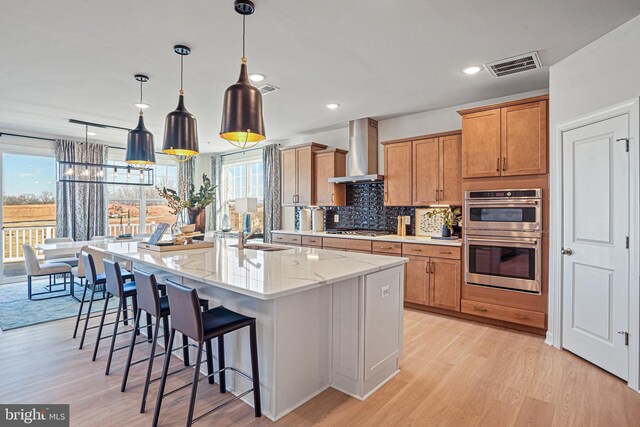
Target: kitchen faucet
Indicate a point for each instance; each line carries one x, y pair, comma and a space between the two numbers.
242, 240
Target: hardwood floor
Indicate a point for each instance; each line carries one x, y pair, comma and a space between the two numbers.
453, 373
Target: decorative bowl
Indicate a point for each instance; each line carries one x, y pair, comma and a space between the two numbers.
186, 229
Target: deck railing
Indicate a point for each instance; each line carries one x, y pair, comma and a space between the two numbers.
15, 237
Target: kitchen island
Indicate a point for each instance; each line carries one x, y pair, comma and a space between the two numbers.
325, 318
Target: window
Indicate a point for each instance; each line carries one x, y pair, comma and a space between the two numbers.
243, 178
137, 209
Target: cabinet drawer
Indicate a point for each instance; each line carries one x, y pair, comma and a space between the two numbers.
387, 247
500, 312
348, 244
436, 251
312, 241
286, 239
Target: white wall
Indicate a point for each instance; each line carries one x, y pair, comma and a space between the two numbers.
601, 74
429, 122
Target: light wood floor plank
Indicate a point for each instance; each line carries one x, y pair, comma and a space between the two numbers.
453, 373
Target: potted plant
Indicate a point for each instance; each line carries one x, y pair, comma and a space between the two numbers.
450, 219
194, 202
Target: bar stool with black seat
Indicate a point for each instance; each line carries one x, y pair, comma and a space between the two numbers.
97, 284
156, 306
201, 327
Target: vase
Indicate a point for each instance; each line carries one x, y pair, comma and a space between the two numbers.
446, 232
198, 217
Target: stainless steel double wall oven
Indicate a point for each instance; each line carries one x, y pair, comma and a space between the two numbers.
503, 239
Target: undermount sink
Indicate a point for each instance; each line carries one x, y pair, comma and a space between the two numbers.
259, 247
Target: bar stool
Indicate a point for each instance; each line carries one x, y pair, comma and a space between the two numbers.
202, 327
150, 301
93, 280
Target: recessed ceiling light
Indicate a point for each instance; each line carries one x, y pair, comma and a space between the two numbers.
91, 133
141, 106
472, 69
257, 77
332, 106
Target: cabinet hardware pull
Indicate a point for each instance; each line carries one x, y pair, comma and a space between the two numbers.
433, 267
448, 253
504, 164
436, 194
441, 195
331, 197
417, 250
498, 164
426, 268
479, 308
518, 316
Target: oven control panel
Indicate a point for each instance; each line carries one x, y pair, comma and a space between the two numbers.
504, 194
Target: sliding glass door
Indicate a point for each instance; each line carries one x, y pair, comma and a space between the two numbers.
28, 208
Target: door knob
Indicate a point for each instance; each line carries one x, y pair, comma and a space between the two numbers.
566, 251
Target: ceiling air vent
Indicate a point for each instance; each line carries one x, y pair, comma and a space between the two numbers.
515, 64
267, 89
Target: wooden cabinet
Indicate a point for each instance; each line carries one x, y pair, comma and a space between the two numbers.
524, 139
315, 242
444, 283
433, 276
450, 169
298, 174
416, 286
505, 140
286, 239
330, 163
351, 245
507, 314
397, 174
425, 171
434, 167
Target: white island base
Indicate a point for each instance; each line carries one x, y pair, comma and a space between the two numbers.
346, 335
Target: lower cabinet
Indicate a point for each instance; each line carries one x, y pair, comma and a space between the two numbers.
433, 281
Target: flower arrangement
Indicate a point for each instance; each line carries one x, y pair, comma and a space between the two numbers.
450, 217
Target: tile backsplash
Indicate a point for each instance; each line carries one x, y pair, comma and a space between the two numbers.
365, 209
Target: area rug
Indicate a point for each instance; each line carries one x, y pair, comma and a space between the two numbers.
17, 310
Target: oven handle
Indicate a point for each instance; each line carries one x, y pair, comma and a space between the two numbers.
518, 241
510, 204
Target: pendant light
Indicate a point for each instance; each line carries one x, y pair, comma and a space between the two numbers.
242, 121
140, 149
181, 128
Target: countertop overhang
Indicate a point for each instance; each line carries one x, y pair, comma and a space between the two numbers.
390, 238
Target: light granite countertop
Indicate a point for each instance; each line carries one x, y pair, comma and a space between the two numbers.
390, 238
260, 274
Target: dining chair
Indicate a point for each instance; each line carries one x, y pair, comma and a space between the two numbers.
70, 259
51, 269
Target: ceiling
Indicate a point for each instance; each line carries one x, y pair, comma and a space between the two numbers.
76, 59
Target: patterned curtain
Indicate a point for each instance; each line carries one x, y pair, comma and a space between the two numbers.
185, 176
81, 208
214, 210
271, 163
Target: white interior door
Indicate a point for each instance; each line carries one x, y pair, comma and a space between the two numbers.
596, 258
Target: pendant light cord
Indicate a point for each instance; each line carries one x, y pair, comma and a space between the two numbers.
244, 17
181, 73
86, 134
141, 112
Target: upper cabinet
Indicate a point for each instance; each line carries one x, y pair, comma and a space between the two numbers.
397, 174
330, 163
505, 140
423, 171
298, 174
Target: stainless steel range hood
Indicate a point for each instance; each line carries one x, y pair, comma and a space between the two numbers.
362, 159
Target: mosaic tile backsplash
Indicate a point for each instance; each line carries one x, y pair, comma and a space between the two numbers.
365, 209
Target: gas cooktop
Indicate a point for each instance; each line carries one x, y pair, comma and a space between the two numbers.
367, 233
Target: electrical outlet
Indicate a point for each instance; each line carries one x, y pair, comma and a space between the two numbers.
384, 291
408, 219
336, 218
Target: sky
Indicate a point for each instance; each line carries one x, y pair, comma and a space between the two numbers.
27, 174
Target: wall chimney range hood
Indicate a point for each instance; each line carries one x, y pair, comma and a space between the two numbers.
362, 159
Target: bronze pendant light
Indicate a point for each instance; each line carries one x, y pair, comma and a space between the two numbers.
180, 127
242, 121
140, 149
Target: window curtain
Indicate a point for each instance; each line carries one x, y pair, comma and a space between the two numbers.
271, 164
185, 176
81, 208
214, 210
